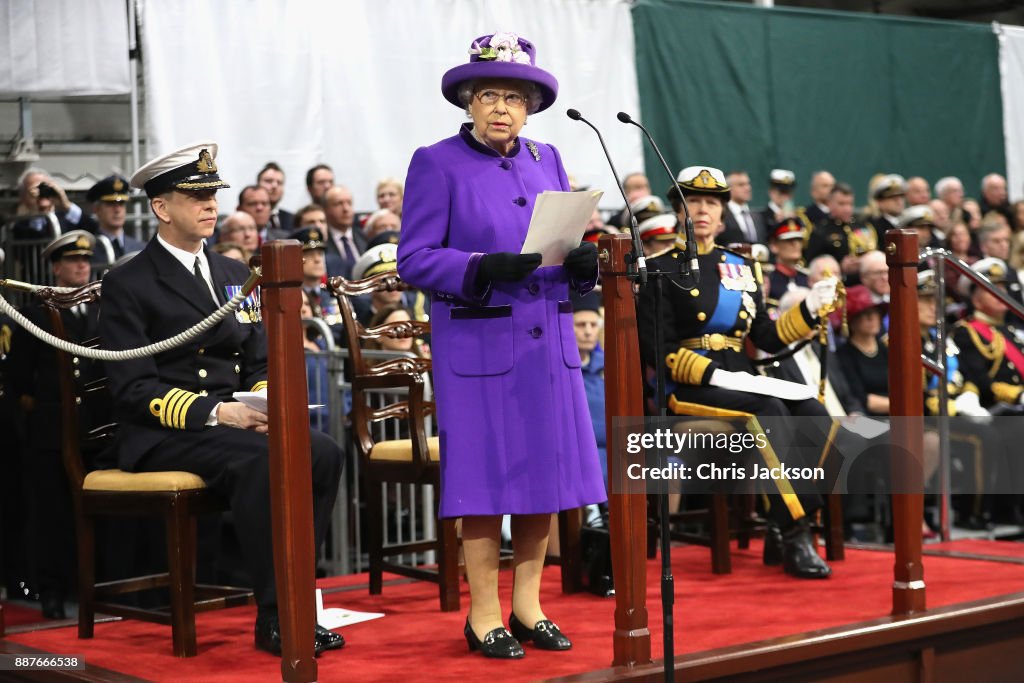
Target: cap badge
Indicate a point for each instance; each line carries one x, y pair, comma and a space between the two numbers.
82, 243
704, 181
996, 271
314, 235
205, 163
118, 185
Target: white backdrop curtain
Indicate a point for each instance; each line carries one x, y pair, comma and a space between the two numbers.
356, 85
63, 47
1011, 75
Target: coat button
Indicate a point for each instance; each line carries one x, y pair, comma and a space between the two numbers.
237, 369
505, 164
702, 316
202, 351
533, 288
202, 372
203, 393
521, 201
75, 360
77, 373
536, 332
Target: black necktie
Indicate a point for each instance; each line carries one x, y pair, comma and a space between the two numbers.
118, 248
199, 275
350, 250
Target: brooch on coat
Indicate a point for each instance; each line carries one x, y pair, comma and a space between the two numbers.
534, 152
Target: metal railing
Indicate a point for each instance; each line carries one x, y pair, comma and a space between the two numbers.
408, 509
937, 258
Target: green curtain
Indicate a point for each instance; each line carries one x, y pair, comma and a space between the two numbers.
743, 87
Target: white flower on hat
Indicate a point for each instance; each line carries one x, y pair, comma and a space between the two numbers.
521, 57
506, 47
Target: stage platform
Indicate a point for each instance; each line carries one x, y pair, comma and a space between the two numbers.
753, 625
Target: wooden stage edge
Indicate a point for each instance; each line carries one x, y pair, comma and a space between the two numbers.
973, 641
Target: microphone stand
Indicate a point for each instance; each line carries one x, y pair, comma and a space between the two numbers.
637, 255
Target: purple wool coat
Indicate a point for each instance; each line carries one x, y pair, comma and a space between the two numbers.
515, 431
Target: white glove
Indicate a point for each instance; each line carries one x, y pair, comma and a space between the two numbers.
823, 293
967, 404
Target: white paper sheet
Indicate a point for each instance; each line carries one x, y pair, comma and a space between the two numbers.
558, 222
336, 617
759, 384
257, 400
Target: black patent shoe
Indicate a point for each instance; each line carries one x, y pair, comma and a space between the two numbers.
328, 640
799, 556
498, 643
544, 634
772, 555
268, 635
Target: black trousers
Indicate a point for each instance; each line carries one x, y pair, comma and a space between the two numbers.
797, 443
53, 523
235, 463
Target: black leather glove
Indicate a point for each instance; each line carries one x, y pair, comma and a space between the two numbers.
581, 262
504, 266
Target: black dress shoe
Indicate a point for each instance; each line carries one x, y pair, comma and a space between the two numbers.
772, 555
268, 635
799, 556
498, 643
544, 634
52, 605
328, 640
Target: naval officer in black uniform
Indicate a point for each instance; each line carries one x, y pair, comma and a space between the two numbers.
704, 331
175, 409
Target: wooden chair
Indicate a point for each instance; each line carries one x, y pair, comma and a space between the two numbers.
178, 497
416, 459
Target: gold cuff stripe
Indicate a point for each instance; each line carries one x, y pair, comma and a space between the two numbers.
971, 387
792, 326
687, 367
1005, 392
173, 407
259, 386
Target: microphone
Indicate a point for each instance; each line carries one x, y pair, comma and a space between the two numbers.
638, 251
691, 240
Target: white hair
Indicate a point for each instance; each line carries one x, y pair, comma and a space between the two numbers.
947, 183
376, 216
871, 258
533, 99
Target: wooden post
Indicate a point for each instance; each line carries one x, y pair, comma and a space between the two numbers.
906, 397
627, 500
291, 474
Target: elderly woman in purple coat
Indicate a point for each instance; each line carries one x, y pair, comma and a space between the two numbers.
515, 431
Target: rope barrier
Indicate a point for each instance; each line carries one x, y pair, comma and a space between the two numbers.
127, 354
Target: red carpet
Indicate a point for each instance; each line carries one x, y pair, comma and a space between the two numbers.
416, 642
981, 547
19, 615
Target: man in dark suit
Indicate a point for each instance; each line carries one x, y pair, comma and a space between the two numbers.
741, 224
109, 198
271, 178
34, 381
176, 409
345, 240
822, 183
44, 209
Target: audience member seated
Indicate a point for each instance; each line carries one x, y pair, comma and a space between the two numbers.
317, 378
381, 258
865, 355
240, 228
787, 246
383, 220
314, 274
255, 201
345, 241
657, 228
635, 185
389, 195
311, 216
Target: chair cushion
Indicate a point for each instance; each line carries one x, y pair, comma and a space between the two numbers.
117, 480
400, 450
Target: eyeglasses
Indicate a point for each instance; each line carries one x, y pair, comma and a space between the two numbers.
513, 100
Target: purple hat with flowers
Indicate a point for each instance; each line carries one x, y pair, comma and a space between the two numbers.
501, 55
